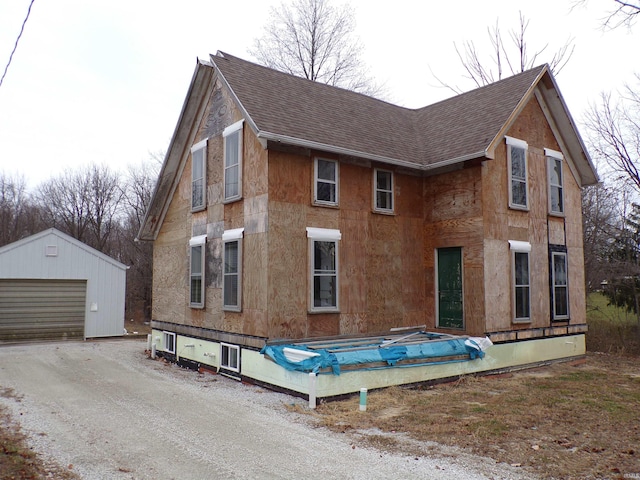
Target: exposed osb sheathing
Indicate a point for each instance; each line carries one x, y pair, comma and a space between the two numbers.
535, 226
386, 262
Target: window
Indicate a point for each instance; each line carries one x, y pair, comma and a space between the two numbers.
198, 176
169, 342
326, 182
521, 280
230, 357
556, 180
196, 271
383, 191
517, 159
323, 246
232, 270
233, 161
560, 287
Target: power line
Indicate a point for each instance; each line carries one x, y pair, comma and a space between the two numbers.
16, 44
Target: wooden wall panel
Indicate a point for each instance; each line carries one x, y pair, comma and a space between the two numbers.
497, 281
556, 232
535, 226
290, 178
254, 284
353, 261
255, 178
287, 280
454, 195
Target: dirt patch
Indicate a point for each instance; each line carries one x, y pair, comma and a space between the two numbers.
562, 421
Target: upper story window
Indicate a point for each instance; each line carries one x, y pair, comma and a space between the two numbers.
232, 270
199, 176
556, 181
383, 191
517, 161
521, 280
196, 271
325, 182
323, 256
233, 161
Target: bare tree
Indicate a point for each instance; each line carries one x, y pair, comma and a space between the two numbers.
625, 13
315, 40
603, 214
83, 203
138, 189
506, 58
18, 214
614, 125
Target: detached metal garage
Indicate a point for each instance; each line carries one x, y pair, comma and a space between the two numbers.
54, 287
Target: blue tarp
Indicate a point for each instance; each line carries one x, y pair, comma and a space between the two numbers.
430, 351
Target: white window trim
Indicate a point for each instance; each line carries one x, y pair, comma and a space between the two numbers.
231, 348
315, 182
198, 241
375, 191
231, 129
515, 142
553, 286
553, 155
165, 335
517, 246
229, 236
323, 235
200, 146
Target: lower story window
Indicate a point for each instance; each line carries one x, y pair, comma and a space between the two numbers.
521, 280
196, 271
230, 357
169, 342
560, 286
323, 245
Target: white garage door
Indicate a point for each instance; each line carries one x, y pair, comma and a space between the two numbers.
40, 310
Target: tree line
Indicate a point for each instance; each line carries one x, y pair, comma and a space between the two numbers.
96, 205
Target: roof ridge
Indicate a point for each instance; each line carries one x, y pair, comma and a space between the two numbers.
497, 83
223, 55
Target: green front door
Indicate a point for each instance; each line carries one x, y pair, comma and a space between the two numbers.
450, 287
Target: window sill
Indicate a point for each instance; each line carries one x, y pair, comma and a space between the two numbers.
389, 213
519, 208
196, 307
232, 309
231, 200
557, 214
521, 321
317, 311
327, 205
198, 209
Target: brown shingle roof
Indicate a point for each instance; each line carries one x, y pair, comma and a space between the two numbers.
293, 107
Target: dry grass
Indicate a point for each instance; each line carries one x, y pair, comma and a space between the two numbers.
561, 421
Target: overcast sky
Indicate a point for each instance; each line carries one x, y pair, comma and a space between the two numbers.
104, 80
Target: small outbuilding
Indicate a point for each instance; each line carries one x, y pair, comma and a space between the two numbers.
54, 287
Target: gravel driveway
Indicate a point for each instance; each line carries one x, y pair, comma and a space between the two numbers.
112, 413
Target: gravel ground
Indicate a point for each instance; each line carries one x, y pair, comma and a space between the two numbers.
109, 412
